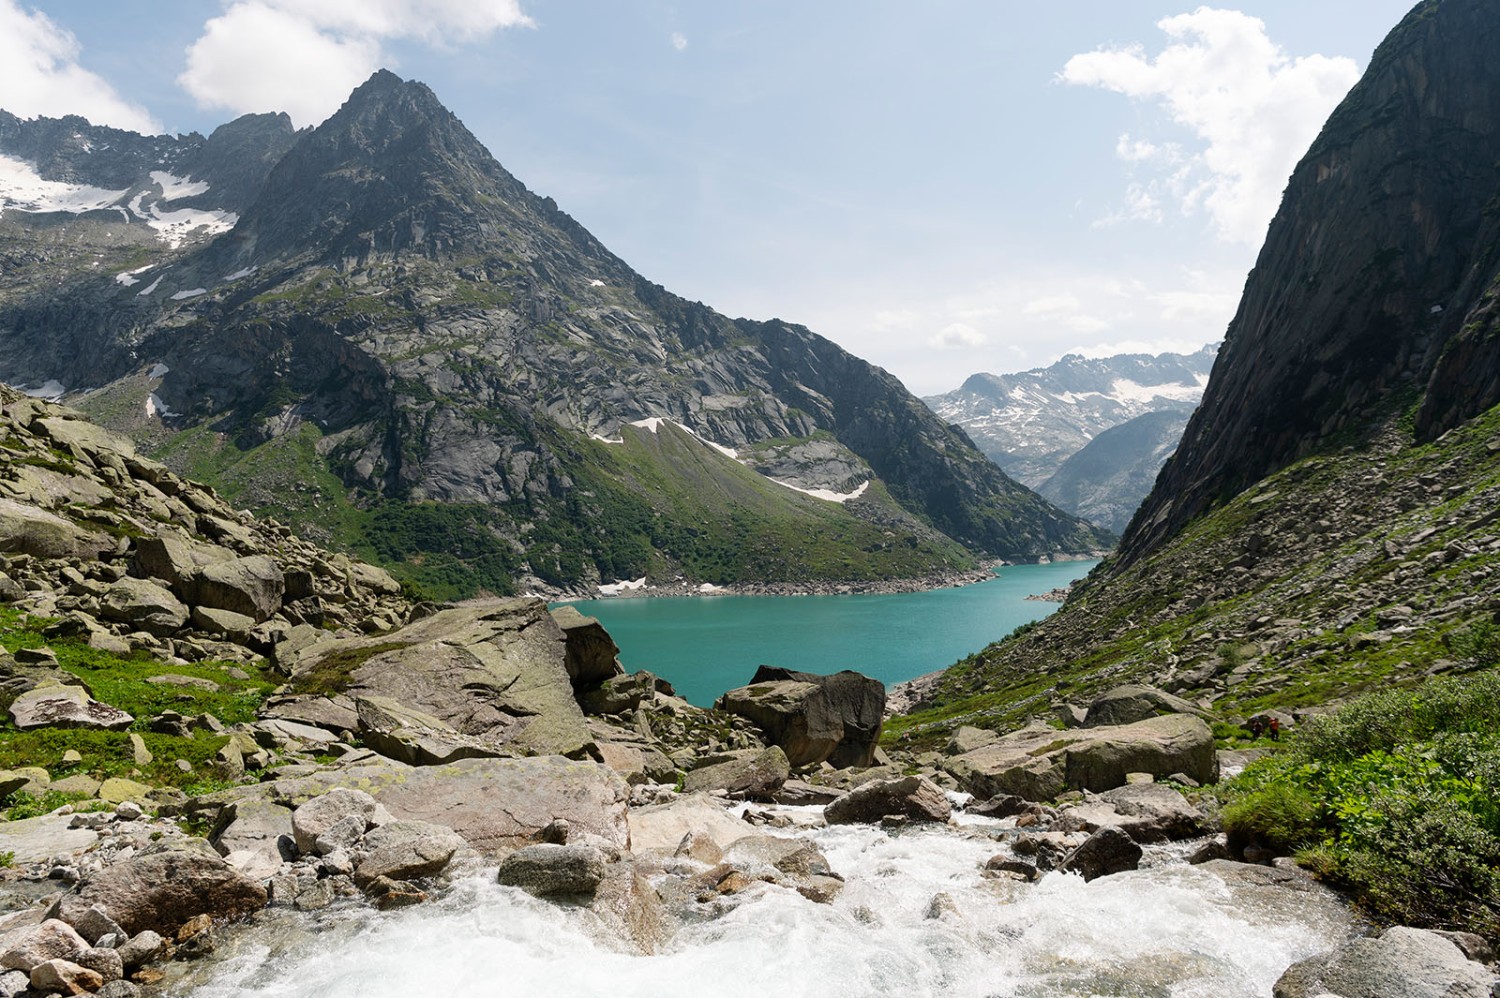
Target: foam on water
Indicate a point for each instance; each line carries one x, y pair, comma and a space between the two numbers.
1164, 932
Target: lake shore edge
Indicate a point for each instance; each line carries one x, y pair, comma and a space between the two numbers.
643, 589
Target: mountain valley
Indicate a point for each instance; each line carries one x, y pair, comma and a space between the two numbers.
402, 350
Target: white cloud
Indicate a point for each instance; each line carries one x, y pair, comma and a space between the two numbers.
305, 58
679, 41
40, 75
957, 336
1252, 109
896, 318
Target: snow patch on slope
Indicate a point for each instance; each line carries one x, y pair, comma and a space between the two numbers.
173, 188
23, 189
828, 494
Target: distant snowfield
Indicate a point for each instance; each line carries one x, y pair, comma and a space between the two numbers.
616, 588
23, 189
194, 293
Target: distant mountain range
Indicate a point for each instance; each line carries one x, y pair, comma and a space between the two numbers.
372, 330
1035, 423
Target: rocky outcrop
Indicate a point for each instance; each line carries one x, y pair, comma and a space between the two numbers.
1040, 762
591, 655
485, 679
814, 718
1400, 963
136, 557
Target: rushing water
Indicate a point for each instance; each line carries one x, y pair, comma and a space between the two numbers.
1168, 931
705, 645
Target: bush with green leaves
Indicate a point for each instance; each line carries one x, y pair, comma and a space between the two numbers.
1397, 796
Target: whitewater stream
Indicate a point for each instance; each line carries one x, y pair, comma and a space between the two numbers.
1168, 930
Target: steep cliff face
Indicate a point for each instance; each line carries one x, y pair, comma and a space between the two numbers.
1327, 526
395, 309
1375, 285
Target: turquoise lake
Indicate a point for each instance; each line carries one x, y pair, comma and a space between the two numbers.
704, 645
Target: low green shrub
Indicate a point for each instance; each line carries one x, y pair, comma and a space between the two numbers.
1396, 796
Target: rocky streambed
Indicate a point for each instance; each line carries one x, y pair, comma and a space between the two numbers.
917, 913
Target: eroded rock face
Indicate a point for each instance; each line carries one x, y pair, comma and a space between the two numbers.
591, 654
1376, 273
1040, 762
1401, 963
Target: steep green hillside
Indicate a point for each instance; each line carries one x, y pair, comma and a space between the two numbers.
1350, 570
658, 504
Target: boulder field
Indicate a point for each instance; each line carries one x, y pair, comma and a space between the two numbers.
394, 745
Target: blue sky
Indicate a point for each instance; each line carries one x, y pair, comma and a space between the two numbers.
943, 188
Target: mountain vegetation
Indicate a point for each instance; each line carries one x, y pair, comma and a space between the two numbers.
377, 333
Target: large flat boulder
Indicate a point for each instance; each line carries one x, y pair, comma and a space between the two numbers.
489, 675
813, 718
914, 798
749, 774
252, 586
1147, 812
28, 530
176, 559
65, 707
1039, 762
495, 804
661, 827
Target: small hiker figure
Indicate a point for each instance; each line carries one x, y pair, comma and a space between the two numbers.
1257, 726
1275, 729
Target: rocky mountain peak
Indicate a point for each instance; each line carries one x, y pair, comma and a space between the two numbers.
1376, 280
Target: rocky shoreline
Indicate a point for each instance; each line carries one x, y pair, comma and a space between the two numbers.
677, 589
